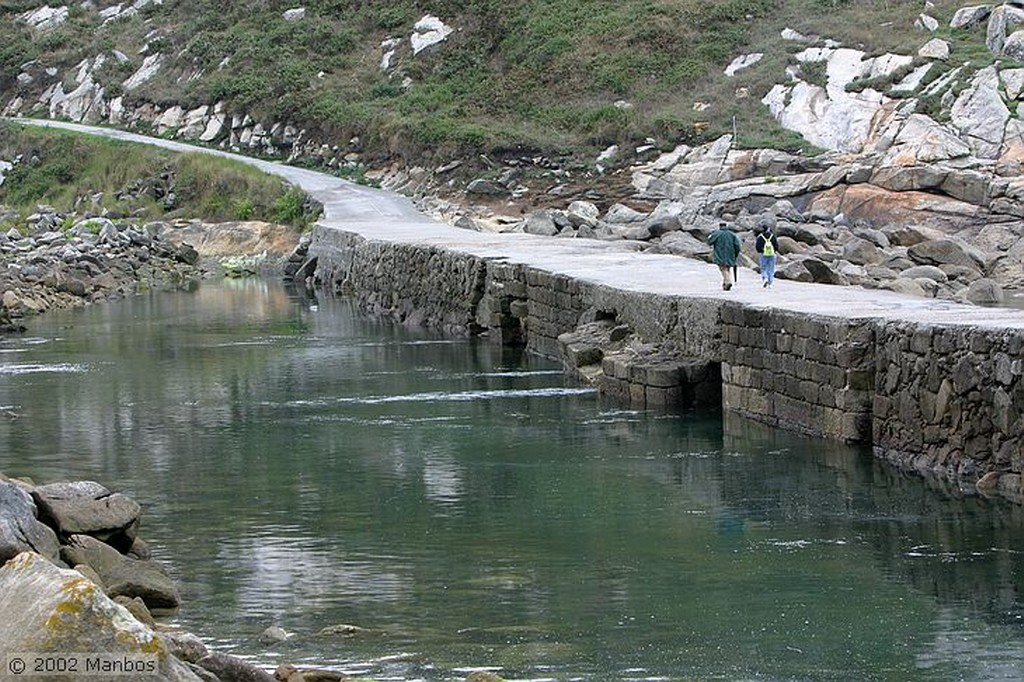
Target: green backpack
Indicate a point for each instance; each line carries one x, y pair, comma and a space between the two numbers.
768, 249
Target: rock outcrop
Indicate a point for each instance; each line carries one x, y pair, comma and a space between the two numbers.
51, 609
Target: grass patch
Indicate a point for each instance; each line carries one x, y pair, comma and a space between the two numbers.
63, 169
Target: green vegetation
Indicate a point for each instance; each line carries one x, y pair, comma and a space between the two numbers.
63, 170
516, 75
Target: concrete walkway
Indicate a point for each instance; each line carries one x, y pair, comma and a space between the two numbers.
379, 215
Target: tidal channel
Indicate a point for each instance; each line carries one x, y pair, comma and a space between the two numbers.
469, 507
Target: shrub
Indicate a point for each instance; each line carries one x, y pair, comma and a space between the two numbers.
289, 207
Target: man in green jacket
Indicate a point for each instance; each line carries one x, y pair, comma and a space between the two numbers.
726, 249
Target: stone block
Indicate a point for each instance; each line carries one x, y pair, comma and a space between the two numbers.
809, 392
921, 341
665, 397
860, 380
615, 389
580, 355
664, 375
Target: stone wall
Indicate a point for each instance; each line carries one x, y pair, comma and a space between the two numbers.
948, 399
800, 372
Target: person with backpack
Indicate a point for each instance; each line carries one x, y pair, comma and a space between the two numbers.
725, 249
767, 247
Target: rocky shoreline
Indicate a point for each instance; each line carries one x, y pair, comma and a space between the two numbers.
64, 260
76, 576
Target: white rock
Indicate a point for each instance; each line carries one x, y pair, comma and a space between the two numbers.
970, 16
795, 36
171, 119
926, 23
608, 154
150, 67
936, 48
912, 81
980, 114
294, 14
45, 18
428, 31
1013, 81
742, 62
389, 49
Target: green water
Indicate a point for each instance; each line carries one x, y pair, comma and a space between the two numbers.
304, 467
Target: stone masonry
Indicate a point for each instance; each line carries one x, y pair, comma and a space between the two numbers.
946, 400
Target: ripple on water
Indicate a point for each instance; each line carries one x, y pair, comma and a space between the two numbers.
56, 368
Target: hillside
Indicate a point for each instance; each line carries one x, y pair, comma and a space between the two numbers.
881, 137
558, 79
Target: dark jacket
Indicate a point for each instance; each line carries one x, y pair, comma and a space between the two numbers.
725, 246
762, 238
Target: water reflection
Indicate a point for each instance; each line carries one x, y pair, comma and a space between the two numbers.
302, 466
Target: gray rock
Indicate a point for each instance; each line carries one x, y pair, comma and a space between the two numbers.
273, 635
86, 507
486, 188
467, 223
20, 530
965, 17
809, 234
184, 645
583, 213
862, 252
927, 272
684, 244
945, 252
621, 214
231, 669
659, 225
822, 273
985, 292
541, 223
794, 270
123, 575
905, 286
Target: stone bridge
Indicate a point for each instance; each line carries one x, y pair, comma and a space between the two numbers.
933, 385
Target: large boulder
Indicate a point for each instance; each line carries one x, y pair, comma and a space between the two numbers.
50, 609
946, 252
20, 530
685, 244
822, 273
541, 223
86, 507
862, 252
122, 575
985, 292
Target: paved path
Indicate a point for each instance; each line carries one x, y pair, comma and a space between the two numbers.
380, 215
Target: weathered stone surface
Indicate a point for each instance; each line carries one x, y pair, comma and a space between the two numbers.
985, 292
231, 669
51, 609
122, 575
86, 507
946, 252
20, 530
